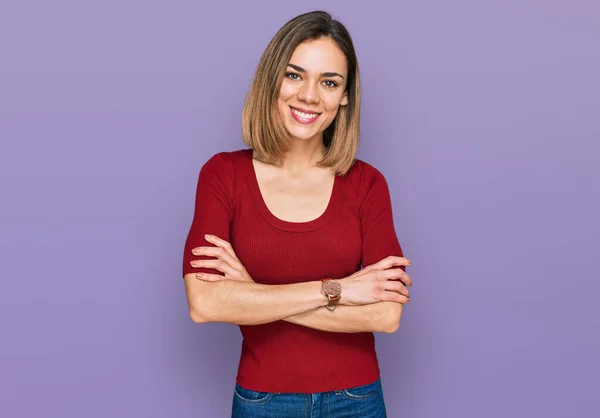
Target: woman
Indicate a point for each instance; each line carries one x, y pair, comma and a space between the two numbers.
281, 230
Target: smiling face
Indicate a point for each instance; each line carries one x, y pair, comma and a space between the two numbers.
312, 89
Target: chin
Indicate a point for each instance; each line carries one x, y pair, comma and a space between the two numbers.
303, 133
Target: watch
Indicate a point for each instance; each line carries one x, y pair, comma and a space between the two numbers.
333, 290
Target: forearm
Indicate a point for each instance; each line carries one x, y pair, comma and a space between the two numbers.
247, 303
375, 317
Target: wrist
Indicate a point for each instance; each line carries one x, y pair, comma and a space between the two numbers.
332, 290
347, 292
323, 299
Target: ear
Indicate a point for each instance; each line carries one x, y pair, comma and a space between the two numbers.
344, 100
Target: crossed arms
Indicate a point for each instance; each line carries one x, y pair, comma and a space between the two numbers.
372, 299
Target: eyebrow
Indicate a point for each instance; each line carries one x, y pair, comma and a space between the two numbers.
302, 70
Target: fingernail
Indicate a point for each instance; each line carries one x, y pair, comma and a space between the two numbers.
207, 236
198, 275
194, 263
195, 252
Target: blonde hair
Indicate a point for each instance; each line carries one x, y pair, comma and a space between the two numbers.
262, 129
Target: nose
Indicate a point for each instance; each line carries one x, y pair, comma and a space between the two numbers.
308, 93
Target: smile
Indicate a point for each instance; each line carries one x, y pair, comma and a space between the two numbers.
304, 116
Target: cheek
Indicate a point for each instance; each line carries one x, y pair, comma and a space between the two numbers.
286, 92
332, 106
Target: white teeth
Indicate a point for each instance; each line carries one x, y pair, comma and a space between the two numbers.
305, 115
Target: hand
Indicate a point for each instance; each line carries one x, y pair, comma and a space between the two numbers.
377, 282
226, 262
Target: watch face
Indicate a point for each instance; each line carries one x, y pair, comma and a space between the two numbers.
332, 288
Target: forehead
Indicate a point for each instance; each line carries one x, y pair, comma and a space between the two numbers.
320, 56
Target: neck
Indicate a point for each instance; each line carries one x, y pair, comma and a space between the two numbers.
303, 154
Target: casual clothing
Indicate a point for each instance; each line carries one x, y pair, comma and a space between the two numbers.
355, 229
359, 402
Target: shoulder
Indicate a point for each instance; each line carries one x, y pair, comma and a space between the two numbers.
227, 160
227, 165
366, 179
222, 169
365, 170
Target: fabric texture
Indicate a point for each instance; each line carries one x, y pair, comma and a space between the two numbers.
355, 230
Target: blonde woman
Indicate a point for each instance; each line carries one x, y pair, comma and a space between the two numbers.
293, 239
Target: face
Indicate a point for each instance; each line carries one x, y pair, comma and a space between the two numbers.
313, 89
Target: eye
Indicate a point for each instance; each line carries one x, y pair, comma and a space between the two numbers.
293, 76
330, 84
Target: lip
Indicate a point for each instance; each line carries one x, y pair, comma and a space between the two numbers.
300, 119
310, 112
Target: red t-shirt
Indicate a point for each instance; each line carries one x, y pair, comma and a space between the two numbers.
356, 229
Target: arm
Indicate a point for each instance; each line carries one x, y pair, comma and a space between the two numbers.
252, 304
379, 241
247, 303
376, 317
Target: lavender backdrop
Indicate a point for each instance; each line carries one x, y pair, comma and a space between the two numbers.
484, 116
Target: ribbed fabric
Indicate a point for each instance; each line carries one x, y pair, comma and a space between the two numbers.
356, 229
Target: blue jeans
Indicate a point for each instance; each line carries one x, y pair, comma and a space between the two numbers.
358, 402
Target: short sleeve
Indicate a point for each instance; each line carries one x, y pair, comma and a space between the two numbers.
379, 238
213, 209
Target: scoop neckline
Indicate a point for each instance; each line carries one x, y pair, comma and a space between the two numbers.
282, 224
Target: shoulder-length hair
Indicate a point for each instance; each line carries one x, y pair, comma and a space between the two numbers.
263, 130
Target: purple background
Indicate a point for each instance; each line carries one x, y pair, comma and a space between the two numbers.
484, 117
